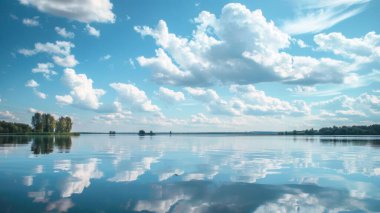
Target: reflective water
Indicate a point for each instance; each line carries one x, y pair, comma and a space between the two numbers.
183, 173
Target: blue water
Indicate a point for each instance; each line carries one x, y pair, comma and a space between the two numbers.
189, 173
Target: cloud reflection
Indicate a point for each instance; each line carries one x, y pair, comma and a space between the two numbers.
81, 174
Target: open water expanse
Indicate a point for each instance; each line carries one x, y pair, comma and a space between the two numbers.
189, 173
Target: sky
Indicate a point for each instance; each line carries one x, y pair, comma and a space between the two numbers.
179, 65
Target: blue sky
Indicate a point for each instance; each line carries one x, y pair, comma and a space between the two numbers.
191, 65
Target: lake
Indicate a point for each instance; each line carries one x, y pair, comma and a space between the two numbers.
189, 173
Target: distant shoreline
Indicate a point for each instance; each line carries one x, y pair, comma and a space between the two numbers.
42, 134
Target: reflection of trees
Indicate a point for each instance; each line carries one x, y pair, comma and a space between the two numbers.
42, 145
45, 144
63, 143
11, 139
355, 141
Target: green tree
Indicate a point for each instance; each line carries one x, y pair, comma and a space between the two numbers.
69, 124
48, 123
64, 124
37, 122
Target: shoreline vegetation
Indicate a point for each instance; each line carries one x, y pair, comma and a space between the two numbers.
45, 125
343, 130
42, 124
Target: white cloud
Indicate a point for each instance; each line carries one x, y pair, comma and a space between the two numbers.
302, 89
135, 97
204, 95
31, 83
365, 49
80, 10
301, 43
61, 51
66, 61
62, 205
81, 175
64, 33
31, 22
57, 48
315, 16
200, 118
216, 54
45, 69
32, 110
362, 106
92, 31
106, 57
170, 96
7, 115
137, 169
64, 99
39, 94
260, 103
82, 91
113, 118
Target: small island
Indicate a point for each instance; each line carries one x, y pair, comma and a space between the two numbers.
143, 133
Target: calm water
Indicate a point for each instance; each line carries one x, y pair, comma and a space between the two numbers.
208, 173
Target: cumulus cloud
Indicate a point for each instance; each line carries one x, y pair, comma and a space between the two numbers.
170, 96
57, 48
260, 103
315, 16
200, 118
363, 50
247, 100
64, 33
40, 94
82, 92
347, 107
45, 69
92, 31
62, 205
7, 115
31, 22
34, 85
80, 177
301, 43
64, 99
66, 61
61, 51
80, 10
113, 118
216, 53
134, 97
31, 83
204, 95
32, 110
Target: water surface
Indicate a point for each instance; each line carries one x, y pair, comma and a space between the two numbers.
189, 173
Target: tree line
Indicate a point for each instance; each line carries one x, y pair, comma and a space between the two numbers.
8, 127
41, 123
47, 123
343, 130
